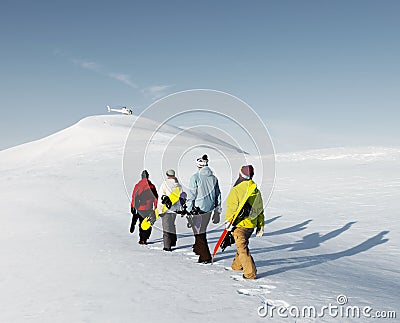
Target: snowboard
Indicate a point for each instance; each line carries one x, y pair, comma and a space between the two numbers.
249, 192
148, 221
170, 200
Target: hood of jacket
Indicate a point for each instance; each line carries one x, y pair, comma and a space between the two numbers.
172, 183
144, 182
203, 191
206, 171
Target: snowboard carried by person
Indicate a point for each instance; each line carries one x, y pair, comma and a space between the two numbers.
184, 212
149, 220
170, 200
244, 213
170, 192
203, 202
226, 238
167, 201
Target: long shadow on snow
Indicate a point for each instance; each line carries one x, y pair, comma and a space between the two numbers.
215, 239
294, 228
309, 261
272, 219
186, 235
314, 240
309, 241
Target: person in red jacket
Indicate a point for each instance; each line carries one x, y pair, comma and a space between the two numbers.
144, 202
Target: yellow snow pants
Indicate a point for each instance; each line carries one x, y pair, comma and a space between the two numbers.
243, 260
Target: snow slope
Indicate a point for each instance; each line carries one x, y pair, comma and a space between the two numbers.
67, 255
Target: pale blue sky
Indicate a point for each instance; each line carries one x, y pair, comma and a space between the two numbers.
319, 73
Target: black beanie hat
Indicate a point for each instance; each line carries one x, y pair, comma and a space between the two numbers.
145, 174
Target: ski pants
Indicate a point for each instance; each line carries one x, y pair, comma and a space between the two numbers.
200, 246
169, 229
243, 260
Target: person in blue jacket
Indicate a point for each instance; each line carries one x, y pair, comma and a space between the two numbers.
204, 200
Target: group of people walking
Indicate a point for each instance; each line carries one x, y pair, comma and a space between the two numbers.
201, 204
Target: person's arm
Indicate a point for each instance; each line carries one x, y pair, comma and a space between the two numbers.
192, 193
217, 198
134, 196
217, 206
260, 218
154, 191
162, 191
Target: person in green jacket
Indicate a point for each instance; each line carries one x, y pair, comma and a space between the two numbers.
250, 217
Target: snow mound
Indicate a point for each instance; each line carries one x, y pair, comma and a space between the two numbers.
91, 135
67, 255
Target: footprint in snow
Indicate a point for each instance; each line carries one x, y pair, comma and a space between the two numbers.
257, 290
252, 291
155, 248
276, 302
267, 286
239, 278
182, 251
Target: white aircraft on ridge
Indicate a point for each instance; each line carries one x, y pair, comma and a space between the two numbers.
123, 110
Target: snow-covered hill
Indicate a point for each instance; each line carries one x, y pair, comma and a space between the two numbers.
67, 255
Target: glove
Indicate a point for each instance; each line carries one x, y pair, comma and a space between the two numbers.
228, 225
195, 210
259, 232
216, 217
228, 241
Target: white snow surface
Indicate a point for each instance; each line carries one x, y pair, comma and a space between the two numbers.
67, 254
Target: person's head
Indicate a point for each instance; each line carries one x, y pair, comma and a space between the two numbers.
246, 172
202, 161
145, 174
170, 173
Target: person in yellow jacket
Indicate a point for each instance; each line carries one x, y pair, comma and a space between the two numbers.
250, 217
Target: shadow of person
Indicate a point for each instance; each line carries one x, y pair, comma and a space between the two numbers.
309, 241
221, 228
268, 221
298, 227
294, 228
309, 261
314, 240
